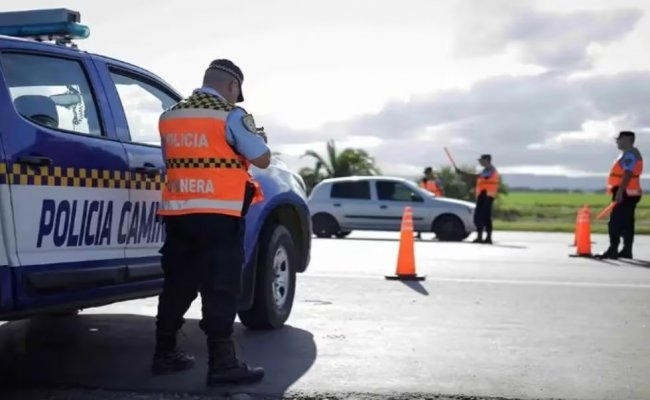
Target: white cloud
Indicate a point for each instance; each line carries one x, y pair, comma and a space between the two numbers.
390, 78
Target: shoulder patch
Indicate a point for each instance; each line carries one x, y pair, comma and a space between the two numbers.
249, 123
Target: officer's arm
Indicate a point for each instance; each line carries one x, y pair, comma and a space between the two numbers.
246, 140
628, 162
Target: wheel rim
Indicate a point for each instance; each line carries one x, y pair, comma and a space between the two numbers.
280, 276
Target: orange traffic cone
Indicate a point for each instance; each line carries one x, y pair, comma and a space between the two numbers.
575, 232
406, 256
583, 233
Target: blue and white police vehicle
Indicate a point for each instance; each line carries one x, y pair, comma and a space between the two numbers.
80, 177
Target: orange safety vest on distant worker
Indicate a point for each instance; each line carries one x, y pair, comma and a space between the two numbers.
616, 175
488, 183
432, 186
204, 173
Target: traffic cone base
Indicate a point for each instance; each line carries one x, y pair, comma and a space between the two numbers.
406, 254
405, 277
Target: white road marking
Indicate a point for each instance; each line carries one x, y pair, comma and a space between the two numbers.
498, 281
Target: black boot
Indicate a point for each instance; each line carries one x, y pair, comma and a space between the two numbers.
225, 367
488, 238
479, 237
167, 358
626, 252
611, 253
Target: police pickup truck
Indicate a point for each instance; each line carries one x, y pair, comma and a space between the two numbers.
80, 177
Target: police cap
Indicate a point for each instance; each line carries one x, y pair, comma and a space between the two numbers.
628, 134
232, 69
485, 157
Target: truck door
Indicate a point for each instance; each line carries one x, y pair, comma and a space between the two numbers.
140, 100
7, 247
67, 174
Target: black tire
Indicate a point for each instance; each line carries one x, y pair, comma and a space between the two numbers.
265, 312
449, 228
342, 234
324, 225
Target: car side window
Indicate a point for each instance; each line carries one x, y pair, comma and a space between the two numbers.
51, 91
351, 190
142, 103
396, 191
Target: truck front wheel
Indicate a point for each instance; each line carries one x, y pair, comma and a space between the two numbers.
275, 280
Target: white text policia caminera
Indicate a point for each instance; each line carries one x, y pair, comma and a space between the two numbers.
76, 223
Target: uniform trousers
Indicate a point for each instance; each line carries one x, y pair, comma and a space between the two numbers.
202, 253
622, 221
483, 213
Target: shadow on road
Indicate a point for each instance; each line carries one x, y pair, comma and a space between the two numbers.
417, 286
114, 352
636, 263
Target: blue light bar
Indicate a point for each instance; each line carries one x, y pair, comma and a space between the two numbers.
67, 29
51, 23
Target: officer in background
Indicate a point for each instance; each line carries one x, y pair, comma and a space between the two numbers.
486, 189
624, 184
207, 144
431, 183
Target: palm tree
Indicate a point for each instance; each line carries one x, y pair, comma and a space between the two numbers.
348, 162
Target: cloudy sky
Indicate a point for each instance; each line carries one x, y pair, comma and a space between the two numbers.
542, 85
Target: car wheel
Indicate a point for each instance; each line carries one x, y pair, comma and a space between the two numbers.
324, 225
275, 280
342, 234
449, 228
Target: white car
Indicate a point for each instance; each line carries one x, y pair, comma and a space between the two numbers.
376, 203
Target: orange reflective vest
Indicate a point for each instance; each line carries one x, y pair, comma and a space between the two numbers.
204, 173
431, 186
490, 184
616, 176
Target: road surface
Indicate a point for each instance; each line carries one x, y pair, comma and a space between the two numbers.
517, 320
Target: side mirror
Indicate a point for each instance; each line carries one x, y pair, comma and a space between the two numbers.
415, 197
66, 99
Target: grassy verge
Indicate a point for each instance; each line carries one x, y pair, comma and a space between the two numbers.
556, 212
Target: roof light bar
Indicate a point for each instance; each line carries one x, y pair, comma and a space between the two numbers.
55, 24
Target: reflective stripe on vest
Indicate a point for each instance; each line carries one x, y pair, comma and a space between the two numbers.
204, 174
616, 177
490, 184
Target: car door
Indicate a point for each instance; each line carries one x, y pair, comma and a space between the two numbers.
140, 100
352, 204
392, 197
67, 173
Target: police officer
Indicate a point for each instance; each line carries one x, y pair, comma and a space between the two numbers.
486, 189
431, 183
207, 144
624, 184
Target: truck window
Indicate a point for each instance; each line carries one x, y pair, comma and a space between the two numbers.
52, 92
351, 190
142, 103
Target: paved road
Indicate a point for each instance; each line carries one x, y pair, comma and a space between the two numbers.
519, 319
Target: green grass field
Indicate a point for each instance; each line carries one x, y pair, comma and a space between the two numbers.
556, 212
